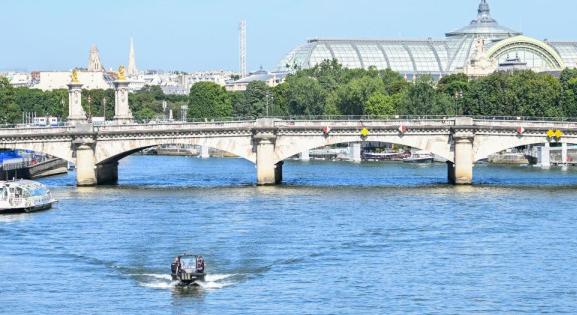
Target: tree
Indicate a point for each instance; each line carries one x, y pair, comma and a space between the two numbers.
379, 104
353, 95
454, 85
393, 82
420, 98
10, 113
257, 100
279, 101
568, 102
305, 96
209, 100
520, 93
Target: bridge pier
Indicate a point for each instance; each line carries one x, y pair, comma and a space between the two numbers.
545, 155
461, 172
204, 152
85, 164
355, 148
267, 171
107, 174
305, 156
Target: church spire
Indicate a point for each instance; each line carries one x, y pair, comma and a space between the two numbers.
132, 71
94, 63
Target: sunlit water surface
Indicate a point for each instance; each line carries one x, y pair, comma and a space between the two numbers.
336, 238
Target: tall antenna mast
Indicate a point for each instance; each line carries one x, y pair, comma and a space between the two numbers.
243, 71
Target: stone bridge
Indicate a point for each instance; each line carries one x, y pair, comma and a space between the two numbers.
96, 150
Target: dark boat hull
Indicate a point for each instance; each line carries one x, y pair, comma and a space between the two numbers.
26, 210
423, 160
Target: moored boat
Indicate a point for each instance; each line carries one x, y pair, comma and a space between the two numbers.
21, 196
420, 157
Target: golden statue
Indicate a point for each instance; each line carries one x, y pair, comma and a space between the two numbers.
74, 76
121, 73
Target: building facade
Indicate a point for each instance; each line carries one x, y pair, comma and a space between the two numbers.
480, 48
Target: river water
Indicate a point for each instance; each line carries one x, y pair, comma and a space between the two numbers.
336, 238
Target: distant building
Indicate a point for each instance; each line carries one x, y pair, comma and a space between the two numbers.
477, 49
271, 79
18, 79
52, 80
180, 83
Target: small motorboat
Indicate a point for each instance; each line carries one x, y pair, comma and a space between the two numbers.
187, 269
20, 196
420, 157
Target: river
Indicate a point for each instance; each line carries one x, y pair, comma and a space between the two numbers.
335, 238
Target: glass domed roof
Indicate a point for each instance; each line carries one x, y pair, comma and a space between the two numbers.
485, 25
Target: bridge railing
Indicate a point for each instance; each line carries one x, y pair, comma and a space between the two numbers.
244, 122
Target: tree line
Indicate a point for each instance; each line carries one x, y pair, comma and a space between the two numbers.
327, 89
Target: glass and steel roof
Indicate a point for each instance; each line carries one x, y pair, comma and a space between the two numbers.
426, 56
436, 57
484, 25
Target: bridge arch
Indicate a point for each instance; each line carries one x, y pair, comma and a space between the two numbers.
114, 150
483, 148
436, 144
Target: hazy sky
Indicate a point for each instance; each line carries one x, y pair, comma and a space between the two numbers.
192, 35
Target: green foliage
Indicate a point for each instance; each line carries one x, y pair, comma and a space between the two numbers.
280, 101
454, 85
521, 93
254, 102
568, 103
98, 98
327, 89
351, 97
9, 111
209, 100
305, 96
380, 104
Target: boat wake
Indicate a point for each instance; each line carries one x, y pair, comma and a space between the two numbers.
216, 281
164, 281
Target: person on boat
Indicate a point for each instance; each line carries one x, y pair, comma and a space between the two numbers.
200, 264
175, 265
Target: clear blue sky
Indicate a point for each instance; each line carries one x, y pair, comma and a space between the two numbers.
191, 35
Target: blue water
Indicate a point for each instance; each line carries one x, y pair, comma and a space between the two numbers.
336, 238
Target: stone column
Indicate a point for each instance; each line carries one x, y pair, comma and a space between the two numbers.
266, 172
564, 159
546, 155
305, 156
461, 172
355, 148
107, 174
122, 113
85, 162
463, 166
204, 152
76, 114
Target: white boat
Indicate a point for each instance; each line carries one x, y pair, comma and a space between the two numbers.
420, 157
24, 196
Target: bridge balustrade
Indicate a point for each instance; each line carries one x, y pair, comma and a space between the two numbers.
267, 142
